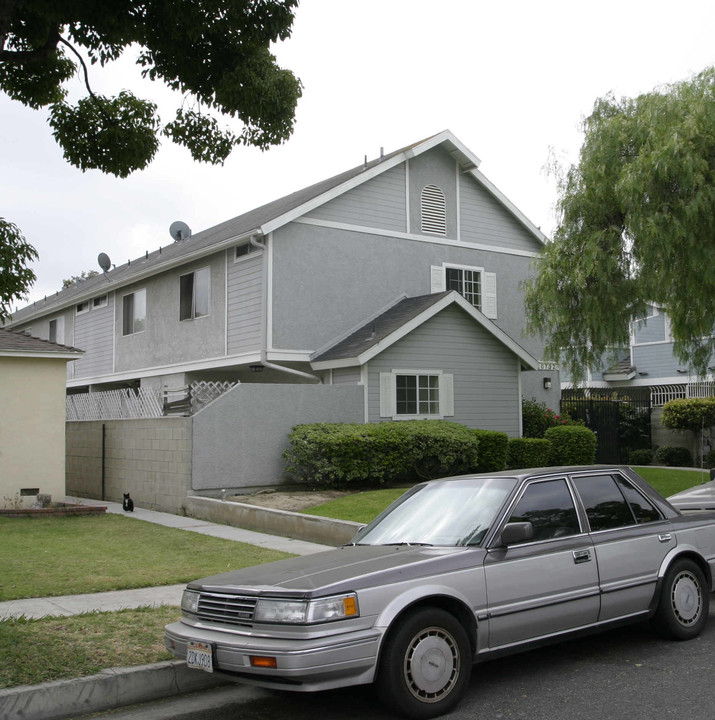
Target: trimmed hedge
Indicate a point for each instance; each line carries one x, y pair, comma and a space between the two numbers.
571, 445
528, 453
689, 414
338, 454
640, 457
492, 450
674, 456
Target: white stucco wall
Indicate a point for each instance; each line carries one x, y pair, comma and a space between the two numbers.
32, 427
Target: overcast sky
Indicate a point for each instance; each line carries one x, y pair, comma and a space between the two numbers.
512, 80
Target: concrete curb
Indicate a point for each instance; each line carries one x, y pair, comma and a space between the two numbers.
311, 528
107, 690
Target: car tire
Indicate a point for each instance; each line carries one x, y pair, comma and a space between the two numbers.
425, 664
684, 602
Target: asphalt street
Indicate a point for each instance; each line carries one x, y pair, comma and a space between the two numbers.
627, 673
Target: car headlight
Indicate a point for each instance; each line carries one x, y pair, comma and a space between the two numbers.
190, 602
306, 611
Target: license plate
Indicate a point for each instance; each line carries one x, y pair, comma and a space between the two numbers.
199, 656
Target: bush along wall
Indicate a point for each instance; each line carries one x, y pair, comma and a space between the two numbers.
571, 445
338, 455
492, 450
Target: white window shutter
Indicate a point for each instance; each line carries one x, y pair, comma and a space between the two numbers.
489, 295
446, 395
388, 405
437, 279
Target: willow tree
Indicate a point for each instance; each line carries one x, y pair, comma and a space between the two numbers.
636, 226
216, 55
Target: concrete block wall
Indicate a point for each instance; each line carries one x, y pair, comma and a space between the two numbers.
151, 459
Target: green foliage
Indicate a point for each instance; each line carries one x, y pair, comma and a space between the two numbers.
640, 457
635, 227
15, 277
689, 414
709, 459
77, 279
492, 450
338, 455
537, 419
674, 456
528, 452
571, 445
215, 53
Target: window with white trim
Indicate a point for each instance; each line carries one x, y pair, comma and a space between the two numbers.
194, 294
475, 285
100, 301
433, 210
408, 394
243, 251
82, 307
134, 312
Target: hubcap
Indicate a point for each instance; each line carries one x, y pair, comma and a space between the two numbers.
432, 664
686, 598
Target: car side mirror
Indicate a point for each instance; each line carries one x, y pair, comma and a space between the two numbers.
516, 532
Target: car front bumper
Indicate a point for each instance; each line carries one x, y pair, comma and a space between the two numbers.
302, 665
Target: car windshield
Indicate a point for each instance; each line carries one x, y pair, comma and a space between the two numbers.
445, 512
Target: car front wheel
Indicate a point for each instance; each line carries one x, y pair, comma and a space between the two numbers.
425, 665
684, 602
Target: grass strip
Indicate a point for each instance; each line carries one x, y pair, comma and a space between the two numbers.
39, 651
361, 507
45, 557
668, 481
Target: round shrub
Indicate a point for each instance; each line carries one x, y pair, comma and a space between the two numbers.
571, 445
674, 456
640, 457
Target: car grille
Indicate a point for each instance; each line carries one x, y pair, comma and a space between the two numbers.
226, 609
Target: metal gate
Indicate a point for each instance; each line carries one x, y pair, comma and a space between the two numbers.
620, 419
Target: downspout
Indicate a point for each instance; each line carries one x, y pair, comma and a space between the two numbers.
255, 242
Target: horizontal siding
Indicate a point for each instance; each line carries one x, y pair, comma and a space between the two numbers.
378, 203
650, 330
94, 333
346, 376
244, 305
484, 220
656, 360
486, 382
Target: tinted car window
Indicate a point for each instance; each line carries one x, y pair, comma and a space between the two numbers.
642, 508
605, 505
549, 507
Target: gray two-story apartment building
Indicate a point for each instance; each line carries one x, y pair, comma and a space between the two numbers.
400, 278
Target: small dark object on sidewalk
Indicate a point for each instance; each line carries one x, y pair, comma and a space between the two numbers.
127, 503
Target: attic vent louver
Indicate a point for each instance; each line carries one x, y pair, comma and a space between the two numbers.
434, 210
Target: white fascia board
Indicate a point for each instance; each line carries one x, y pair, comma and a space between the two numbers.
288, 355
215, 363
43, 355
513, 209
113, 286
454, 297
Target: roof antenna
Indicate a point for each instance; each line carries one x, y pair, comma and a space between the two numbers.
364, 166
382, 154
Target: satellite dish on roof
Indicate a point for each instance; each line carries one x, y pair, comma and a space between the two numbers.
179, 231
104, 262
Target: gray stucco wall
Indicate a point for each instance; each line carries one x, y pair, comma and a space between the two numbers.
238, 439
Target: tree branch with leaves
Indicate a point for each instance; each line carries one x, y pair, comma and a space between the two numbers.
636, 227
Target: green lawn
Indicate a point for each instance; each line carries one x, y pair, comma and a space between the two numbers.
42, 557
38, 651
359, 507
364, 506
669, 481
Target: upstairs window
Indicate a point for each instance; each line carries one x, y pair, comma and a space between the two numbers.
433, 210
475, 285
82, 307
99, 302
134, 313
194, 294
243, 251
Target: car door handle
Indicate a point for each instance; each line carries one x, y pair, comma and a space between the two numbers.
665, 537
581, 556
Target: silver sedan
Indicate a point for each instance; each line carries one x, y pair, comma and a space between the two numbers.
455, 572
